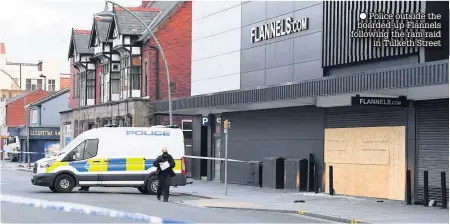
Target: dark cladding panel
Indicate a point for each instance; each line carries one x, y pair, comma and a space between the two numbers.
252, 79
424, 74
307, 43
262, 51
432, 145
281, 74
279, 53
275, 8
288, 133
196, 146
305, 4
308, 70
365, 116
255, 11
341, 17
254, 58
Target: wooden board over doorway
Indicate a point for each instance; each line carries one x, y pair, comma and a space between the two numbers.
368, 161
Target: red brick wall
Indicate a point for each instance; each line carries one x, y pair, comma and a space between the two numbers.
15, 111
73, 102
65, 83
176, 41
98, 73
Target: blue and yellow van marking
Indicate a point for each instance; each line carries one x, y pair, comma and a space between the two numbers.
149, 163
55, 165
116, 164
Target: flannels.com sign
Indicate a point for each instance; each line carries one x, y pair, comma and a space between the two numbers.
278, 28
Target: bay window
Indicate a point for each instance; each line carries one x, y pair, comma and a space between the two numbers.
115, 84
124, 77
82, 88
136, 70
104, 82
90, 87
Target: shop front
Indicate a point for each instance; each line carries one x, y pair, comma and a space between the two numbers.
42, 142
369, 114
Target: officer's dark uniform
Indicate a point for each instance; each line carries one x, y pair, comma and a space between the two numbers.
164, 175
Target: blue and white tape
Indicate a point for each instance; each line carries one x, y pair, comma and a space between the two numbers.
214, 158
83, 209
15, 152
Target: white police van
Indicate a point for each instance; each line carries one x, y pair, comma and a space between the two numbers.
112, 156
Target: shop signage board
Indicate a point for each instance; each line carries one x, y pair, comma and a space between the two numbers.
278, 28
380, 101
42, 133
205, 121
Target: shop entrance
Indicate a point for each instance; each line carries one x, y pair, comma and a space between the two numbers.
204, 152
366, 147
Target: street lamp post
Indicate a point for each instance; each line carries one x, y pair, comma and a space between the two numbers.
106, 16
26, 116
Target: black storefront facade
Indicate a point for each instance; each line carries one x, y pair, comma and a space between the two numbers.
42, 141
372, 114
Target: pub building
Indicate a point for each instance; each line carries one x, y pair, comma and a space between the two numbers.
295, 85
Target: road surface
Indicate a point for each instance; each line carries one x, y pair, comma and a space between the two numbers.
17, 183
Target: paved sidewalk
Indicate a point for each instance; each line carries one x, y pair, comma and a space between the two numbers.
16, 165
335, 208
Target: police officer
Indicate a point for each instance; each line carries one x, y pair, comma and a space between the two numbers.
164, 175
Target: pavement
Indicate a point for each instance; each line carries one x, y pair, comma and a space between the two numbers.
333, 208
321, 207
15, 182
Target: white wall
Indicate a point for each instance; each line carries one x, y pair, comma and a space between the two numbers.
216, 44
2, 113
50, 68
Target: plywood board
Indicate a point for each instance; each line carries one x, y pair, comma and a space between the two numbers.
368, 161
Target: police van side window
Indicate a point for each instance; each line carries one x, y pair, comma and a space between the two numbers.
91, 148
77, 153
85, 150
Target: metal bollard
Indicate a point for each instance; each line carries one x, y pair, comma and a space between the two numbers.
425, 188
443, 190
408, 187
331, 180
316, 182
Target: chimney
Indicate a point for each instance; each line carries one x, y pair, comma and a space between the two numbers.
145, 4
2, 48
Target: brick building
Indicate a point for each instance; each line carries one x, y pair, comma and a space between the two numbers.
117, 71
64, 81
15, 107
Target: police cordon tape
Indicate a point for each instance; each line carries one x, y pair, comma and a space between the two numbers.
213, 158
83, 209
25, 152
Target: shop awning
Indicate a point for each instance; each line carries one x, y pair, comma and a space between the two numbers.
417, 75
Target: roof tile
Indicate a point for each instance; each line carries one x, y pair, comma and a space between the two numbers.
166, 8
129, 25
82, 42
102, 29
138, 9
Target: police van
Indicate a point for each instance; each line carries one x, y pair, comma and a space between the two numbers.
112, 157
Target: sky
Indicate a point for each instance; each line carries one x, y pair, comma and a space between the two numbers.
38, 29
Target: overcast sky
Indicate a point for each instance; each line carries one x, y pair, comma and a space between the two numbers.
37, 29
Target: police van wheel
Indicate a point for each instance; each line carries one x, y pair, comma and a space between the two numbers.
143, 190
152, 185
64, 183
53, 189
